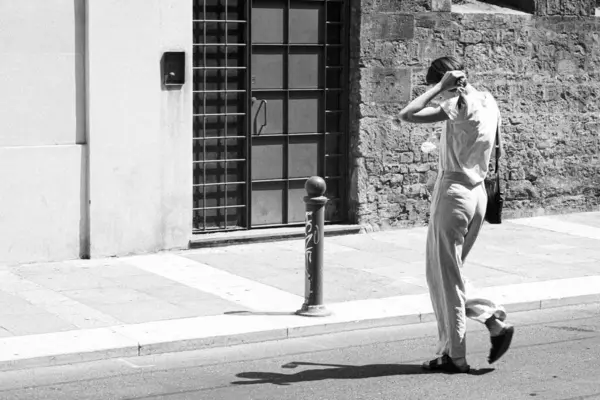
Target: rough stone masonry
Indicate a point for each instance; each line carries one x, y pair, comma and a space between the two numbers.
544, 70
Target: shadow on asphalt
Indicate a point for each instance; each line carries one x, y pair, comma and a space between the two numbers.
338, 372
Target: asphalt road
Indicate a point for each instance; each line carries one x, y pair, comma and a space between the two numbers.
555, 355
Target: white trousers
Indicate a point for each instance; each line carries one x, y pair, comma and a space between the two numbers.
457, 212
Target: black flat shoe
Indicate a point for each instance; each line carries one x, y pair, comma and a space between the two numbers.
500, 344
445, 364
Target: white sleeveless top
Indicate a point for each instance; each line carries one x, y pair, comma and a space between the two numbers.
466, 145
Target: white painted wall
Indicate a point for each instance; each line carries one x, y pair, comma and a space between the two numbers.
42, 121
139, 135
40, 205
41, 72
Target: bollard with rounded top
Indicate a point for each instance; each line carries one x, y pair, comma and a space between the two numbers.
313, 248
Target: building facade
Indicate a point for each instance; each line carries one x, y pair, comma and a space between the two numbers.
106, 152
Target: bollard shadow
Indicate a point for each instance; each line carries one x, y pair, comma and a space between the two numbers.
337, 371
248, 313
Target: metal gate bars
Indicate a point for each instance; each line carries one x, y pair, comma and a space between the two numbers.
220, 114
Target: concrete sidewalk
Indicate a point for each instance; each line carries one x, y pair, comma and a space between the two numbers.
86, 310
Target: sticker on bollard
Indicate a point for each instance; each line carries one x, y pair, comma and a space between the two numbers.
313, 245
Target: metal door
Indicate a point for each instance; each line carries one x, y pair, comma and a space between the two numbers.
269, 110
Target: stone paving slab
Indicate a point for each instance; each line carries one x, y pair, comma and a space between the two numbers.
57, 297
590, 219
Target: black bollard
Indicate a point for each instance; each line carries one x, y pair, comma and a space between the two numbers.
313, 248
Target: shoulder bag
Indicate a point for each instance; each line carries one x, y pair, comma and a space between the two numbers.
495, 195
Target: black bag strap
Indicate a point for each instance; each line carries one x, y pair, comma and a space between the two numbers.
497, 152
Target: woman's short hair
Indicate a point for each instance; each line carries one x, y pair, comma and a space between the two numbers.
440, 66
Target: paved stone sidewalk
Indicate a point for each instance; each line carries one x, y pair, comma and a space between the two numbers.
391, 263
382, 269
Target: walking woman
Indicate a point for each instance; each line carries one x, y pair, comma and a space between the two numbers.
458, 209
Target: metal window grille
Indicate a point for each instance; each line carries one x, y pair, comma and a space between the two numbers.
229, 122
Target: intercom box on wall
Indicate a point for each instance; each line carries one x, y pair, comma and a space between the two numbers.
173, 68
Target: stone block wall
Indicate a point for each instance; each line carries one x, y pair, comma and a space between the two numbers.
543, 70
565, 7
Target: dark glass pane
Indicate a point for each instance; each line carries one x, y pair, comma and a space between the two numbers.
267, 68
219, 9
333, 211
198, 150
219, 32
219, 149
216, 126
333, 100
198, 196
334, 77
268, 113
198, 220
296, 206
219, 103
268, 158
198, 173
209, 32
333, 188
333, 144
268, 21
219, 195
334, 205
221, 172
334, 11
333, 166
334, 122
305, 71
236, 32
198, 8
334, 34
304, 156
305, 115
219, 79
334, 56
219, 56
267, 203
306, 22
215, 219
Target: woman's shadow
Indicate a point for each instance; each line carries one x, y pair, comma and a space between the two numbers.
337, 371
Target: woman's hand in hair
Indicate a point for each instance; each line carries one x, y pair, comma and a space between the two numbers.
452, 80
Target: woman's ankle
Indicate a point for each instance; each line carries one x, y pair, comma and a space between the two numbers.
460, 362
